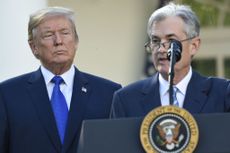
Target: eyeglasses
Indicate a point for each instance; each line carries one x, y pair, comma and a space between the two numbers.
156, 44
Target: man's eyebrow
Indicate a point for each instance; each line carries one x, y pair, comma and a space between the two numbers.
154, 37
167, 36
171, 35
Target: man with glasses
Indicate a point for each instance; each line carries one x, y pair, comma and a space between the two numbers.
194, 92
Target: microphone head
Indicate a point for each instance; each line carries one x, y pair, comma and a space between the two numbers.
176, 48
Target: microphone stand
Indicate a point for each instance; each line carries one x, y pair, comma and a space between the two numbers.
171, 74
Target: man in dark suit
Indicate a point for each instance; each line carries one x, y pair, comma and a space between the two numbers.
196, 93
29, 120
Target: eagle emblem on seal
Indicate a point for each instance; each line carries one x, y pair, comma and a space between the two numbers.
169, 134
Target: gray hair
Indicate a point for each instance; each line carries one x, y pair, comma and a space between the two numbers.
37, 17
192, 25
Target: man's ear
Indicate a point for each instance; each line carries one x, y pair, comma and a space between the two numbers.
33, 48
195, 45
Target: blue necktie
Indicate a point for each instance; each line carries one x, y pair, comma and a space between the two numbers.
59, 106
175, 101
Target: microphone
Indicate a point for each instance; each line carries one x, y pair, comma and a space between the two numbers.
176, 49
173, 55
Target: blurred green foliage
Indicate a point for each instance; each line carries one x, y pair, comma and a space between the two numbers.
207, 13
227, 19
205, 66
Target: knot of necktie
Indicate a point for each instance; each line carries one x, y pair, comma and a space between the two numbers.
57, 80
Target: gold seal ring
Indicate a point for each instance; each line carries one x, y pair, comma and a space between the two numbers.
169, 129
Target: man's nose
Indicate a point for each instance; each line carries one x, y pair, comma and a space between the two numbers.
58, 39
162, 48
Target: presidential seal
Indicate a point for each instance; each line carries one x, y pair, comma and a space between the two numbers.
169, 129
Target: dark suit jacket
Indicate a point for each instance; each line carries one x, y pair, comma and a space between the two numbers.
27, 123
203, 95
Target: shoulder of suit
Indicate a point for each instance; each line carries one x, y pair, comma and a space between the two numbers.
209, 78
98, 79
137, 86
213, 82
17, 79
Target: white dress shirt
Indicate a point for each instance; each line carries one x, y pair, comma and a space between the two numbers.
66, 87
182, 87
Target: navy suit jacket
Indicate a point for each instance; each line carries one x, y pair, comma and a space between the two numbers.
203, 95
27, 123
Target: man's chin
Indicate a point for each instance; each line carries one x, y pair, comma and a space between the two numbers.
163, 70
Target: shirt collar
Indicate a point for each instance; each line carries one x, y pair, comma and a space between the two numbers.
164, 85
68, 76
182, 85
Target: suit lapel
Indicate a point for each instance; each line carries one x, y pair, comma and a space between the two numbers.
151, 95
81, 90
196, 94
39, 95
